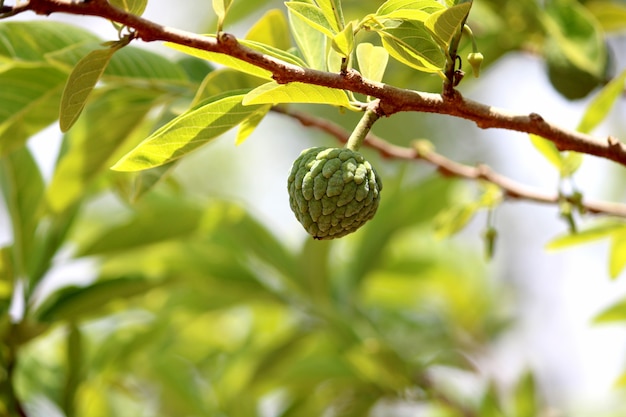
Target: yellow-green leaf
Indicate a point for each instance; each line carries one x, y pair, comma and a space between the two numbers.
548, 150
271, 29
343, 42
616, 312
135, 7
223, 59
601, 105
221, 8
247, 126
186, 133
274, 93
80, 83
313, 16
617, 254
447, 23
372, 61
595, 233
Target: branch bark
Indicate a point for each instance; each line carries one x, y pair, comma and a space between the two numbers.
392, 99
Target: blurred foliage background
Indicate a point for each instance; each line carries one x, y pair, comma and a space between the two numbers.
200, 295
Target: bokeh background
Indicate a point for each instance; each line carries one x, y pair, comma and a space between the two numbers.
525, 310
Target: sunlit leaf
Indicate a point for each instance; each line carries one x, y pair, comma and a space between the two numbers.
616, 312
135, 7
223, 80
274, 93
617, 254
585, 236
609, 14
602, 104
395, 6
271, 29
250, 124
333, 12
186, 133
446, 24
454, 219
314, 17
239, 64
411, 44
372, 61
220, 7
223, 59
80, 83
548, 150
312, 42
571, 162
343, 42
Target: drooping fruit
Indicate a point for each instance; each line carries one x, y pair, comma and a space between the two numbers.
333, 191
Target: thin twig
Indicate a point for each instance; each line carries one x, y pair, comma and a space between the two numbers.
511, 189
392, 99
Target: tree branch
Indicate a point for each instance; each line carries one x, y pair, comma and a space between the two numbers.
511, 189
392, 99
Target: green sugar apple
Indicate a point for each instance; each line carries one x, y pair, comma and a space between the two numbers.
333, 191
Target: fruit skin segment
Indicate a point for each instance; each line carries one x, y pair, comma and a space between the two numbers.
333, 191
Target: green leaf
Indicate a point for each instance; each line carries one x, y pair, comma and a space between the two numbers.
250, 124
314, 17
617, 254
136, 7
397, 7
343, 42
77, 303
616, 312
372, 61
548, 149
412, 44
274, 93
602, 104
454, 219
609, 14
446, 24
595, 233
22, 185
186, 133
333, 12
574, 49
271, 29
571, 163
223, 59
30, 97
223, 80
80, 83
239, 64
221, 8
525, 397
183, 219
312, 42
31, 41
94, 140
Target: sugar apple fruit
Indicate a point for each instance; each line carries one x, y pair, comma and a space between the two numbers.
333, 191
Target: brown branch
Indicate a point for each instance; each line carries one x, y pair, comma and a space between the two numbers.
392, 99
511, 189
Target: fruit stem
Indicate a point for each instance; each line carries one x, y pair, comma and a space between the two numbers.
361, 130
